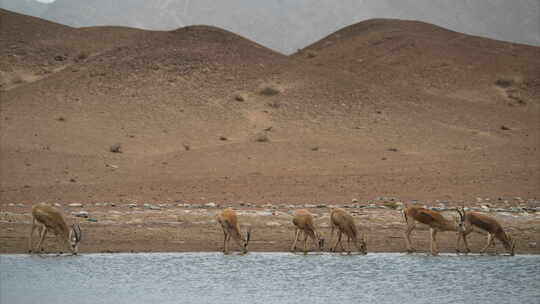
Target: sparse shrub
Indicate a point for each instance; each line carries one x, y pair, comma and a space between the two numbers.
274, 104
262, 137
116, 148
81, 56
268, 91
391, 205
504, 83
186, 147
240, 97
60, 57
393, 149
223, 138
17, 79
61, 118
505, 128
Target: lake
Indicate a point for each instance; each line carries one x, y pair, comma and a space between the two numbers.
268, 278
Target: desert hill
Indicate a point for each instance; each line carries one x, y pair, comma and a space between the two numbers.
382, 108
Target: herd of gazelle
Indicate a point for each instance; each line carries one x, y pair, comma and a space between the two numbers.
47, 218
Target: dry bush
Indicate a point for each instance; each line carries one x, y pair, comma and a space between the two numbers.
81, 56
268, 91
262, 137
17, 79
504, 83
116, 148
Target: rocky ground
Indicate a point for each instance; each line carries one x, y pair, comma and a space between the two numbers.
391, 108
181, 226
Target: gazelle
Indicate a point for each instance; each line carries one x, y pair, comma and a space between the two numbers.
50, 218
344, 223
431, 218
303, 222
480, 223
229, 222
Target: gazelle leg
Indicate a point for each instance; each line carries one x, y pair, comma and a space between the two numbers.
227, 241
30, 242
467, 250
297, 233
224, 241
349, 247
331, 236
434, 249
458, 234
43, 234
305, 242
490, 240
407, 234
494, 246
338, 241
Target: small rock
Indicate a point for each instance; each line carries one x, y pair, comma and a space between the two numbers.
75, 205
132, 205
516, 209
184, 205
81, 214
272, 224
354, 200
11, 204
479, 200
151, 207
309, 206
57, 205
240, 97
211, 205
116, 148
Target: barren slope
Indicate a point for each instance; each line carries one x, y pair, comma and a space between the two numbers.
203, 114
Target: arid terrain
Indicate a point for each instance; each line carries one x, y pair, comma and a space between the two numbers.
381, 111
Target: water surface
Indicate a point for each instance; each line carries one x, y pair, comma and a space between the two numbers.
268, 278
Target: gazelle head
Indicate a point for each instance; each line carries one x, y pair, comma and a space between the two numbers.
246, 241
363, 244
510, 244
75, 236
461, 219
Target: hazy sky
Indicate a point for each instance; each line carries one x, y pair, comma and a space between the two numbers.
288, 25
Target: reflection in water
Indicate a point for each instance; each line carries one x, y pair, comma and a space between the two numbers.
268, 278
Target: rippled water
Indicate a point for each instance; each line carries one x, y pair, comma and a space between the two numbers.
268, 278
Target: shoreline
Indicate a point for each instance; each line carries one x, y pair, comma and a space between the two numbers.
124, 229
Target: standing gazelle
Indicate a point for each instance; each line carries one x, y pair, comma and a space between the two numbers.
431, 218
344, 223
303, 222
50, 218
229, 222
480, 223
